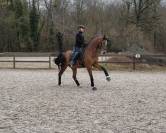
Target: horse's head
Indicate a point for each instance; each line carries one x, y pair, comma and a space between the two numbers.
102, 42
99, 43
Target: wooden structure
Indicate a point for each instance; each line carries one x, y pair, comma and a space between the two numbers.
103, 58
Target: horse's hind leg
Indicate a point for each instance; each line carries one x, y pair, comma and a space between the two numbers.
75, 76
63, 68
108, 78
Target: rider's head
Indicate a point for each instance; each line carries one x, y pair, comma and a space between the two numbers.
81, 28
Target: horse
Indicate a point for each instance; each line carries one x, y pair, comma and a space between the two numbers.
89, 60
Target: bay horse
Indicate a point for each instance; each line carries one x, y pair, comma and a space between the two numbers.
89, 59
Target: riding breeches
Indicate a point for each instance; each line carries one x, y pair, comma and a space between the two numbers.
76, 52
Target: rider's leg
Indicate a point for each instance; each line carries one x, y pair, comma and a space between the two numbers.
75, 55
74, 60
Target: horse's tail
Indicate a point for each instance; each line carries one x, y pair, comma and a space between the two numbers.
60, 60
59, 37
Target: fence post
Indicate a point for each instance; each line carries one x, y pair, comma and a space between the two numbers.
14, 62
134, 63
49, 62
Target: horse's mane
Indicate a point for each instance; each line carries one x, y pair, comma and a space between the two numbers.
93, 38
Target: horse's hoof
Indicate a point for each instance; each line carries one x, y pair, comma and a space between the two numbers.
94, 88
108, 78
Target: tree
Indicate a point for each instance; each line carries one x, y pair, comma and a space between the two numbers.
34, 25
143, 13
31, 25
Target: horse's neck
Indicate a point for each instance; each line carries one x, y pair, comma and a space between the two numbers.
93, 47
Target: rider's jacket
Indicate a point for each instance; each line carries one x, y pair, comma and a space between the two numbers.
79, 40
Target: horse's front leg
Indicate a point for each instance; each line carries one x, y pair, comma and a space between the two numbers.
75, 76
108, 78
91, 78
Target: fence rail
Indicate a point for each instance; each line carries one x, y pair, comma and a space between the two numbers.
14, 57
103, 58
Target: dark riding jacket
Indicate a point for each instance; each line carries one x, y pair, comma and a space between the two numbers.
79, 40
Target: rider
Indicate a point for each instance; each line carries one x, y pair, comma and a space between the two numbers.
79, 44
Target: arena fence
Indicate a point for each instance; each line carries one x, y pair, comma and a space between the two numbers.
134, 59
